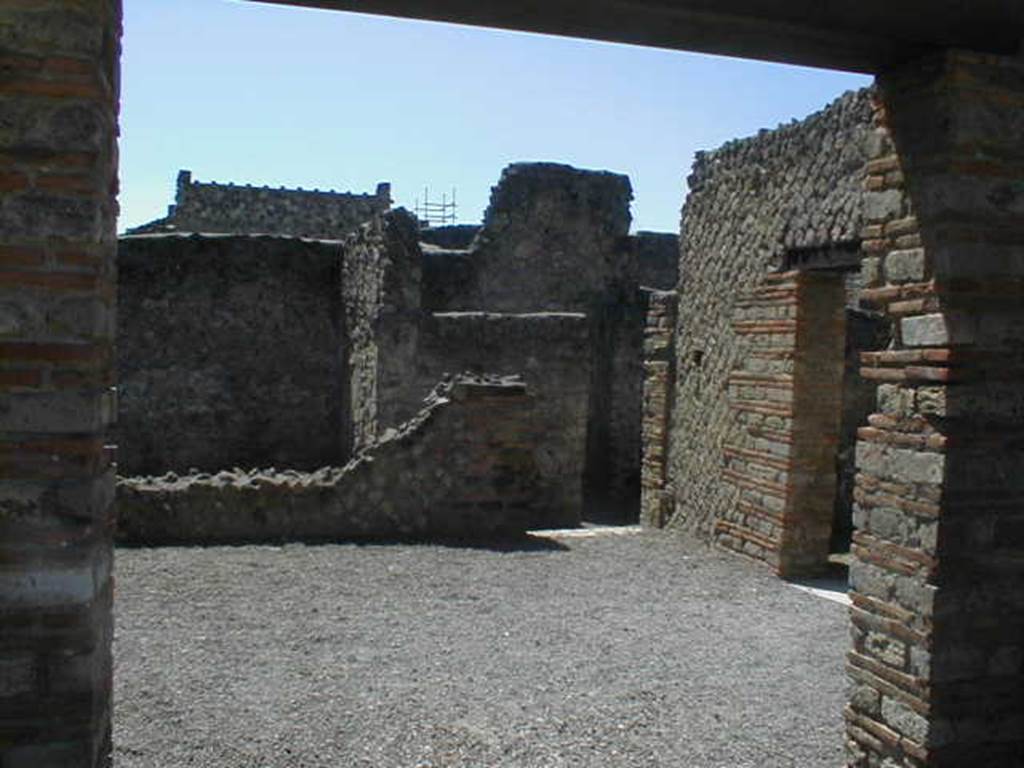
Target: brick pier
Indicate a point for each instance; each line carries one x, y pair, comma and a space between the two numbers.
59, 64
939, 552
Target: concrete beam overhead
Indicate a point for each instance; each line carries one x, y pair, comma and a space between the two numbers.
864, 36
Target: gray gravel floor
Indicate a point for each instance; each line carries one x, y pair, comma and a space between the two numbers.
636, 649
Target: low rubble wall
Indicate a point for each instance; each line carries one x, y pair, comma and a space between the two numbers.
464, 466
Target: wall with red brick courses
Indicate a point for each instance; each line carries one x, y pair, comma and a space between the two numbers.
58, 181
785, 395
752, 203
938, 647
656, 496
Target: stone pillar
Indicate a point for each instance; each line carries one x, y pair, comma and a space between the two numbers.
938, 614
58, 112
656, 496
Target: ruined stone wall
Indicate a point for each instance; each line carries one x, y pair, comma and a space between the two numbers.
229, 354
233, 208
750, 203
554, 239
649, 259
551, 351
381, 287
656, 494
466, 465
448, 277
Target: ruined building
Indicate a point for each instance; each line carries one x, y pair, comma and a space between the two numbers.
936, 658
253, 351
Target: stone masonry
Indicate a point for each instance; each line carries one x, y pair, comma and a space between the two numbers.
741, 460
381, 289
938, 640
938, 612
656, 498
230, 353
358, 346
555, 239
785, 395
551, 352
237, 209
465, 466
58, 183
552, 240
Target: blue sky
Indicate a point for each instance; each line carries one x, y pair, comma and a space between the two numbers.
252, 93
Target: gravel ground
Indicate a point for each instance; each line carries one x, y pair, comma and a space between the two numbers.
610, 649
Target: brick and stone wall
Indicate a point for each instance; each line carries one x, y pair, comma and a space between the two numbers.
785, 394
656, 495
551, 351
938, 615
751, 203
381, 284
866, 331
467, 465
58, 182
243, 209
230, 354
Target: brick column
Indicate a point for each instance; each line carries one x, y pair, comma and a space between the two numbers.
938, 612
656, 498
58, 106
786, 398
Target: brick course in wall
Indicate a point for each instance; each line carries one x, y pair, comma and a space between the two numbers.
938, 611
752, 204
58, 182
785, 395
656, 496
